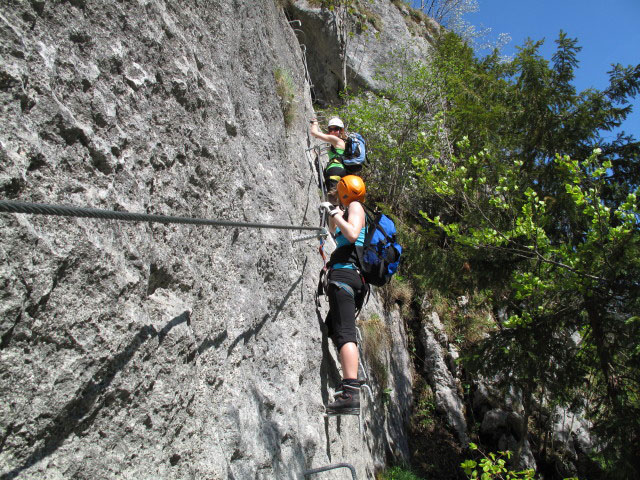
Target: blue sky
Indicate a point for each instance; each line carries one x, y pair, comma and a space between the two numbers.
608, 32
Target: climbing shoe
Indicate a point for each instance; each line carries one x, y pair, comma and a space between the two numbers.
346, 400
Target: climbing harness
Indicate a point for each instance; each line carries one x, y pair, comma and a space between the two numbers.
361, 297
322, 251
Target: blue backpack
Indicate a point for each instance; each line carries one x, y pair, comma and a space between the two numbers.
379, 258
355, 150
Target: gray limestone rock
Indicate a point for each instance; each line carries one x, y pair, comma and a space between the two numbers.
391, 29
571, 430
443, 383
506, 428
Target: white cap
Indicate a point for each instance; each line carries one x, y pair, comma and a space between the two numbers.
336, 122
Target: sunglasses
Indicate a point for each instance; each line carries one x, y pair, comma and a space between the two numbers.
334, 129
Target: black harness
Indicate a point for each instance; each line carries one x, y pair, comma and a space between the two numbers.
345, 254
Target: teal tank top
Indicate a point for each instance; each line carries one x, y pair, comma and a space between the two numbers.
341, 241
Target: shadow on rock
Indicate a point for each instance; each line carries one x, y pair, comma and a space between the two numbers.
253, 331
79, 414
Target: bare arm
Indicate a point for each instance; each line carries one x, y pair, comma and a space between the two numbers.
351, 228
337, 142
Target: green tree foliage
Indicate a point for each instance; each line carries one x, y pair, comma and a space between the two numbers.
493, 466
396, 123
557, 205
507, 165
572, 332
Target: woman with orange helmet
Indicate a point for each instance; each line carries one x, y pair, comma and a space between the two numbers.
345, 287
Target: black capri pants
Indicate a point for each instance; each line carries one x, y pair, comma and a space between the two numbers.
341, 319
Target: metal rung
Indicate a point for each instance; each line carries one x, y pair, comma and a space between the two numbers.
359, 415
335, 414
368, 388
332, 467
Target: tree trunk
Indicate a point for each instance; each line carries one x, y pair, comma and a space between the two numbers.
596, 322
342, 28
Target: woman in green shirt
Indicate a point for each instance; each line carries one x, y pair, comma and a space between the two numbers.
335, 138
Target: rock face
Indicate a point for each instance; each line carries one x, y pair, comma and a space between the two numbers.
442, 379
136, 350
389, 30
572, 430
505, 430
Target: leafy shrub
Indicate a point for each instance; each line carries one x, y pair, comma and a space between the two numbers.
493, 466
424, 408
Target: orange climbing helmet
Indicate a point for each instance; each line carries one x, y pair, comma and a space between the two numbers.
351, 188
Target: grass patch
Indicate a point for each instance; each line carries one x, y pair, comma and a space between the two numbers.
285, 89
397, 473
363, 18
374, 20
466, 321
418, 22
376, 341
442, 305
397, 292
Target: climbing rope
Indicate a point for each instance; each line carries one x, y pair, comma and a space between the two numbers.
9, 206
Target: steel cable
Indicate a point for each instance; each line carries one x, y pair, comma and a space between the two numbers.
9, 206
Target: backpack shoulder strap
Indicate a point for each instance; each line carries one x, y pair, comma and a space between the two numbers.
372, 219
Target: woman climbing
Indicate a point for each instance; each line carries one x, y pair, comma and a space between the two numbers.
336, 137
346, 288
